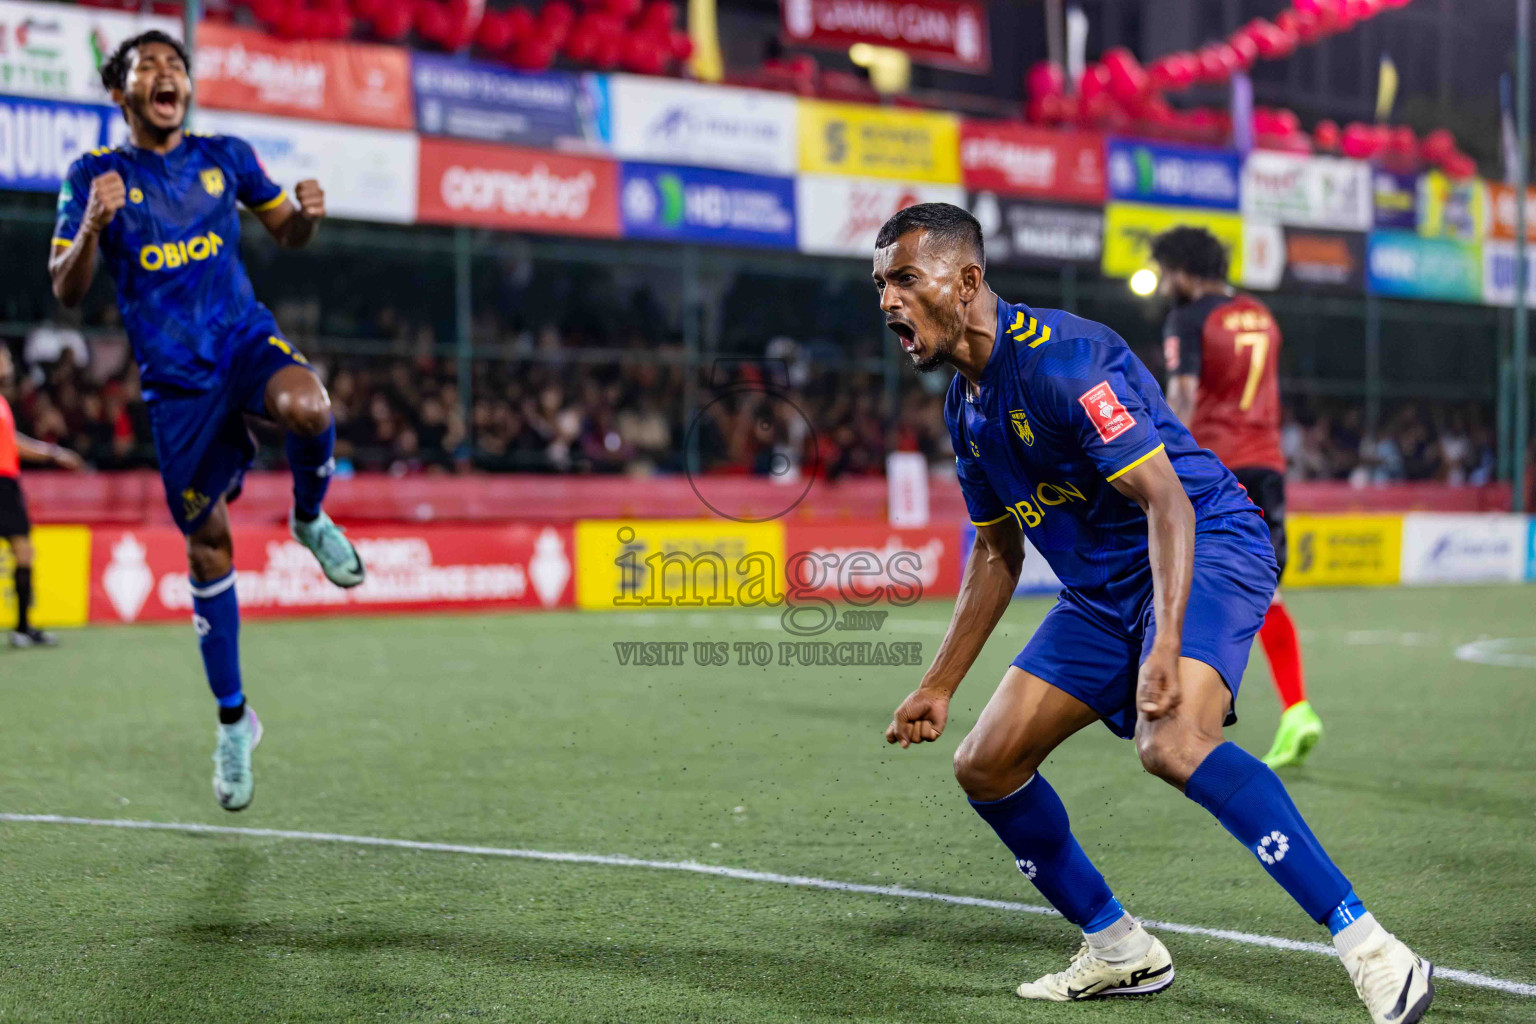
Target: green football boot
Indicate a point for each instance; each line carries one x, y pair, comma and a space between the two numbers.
328, 543
1299, 731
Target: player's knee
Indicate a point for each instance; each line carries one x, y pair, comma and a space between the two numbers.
210, 554
21, 552
985, 776
1169, 753
307, 412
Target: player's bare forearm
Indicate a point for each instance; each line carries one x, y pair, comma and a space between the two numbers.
1171, 550
72, 263
985, 590
1181, 396
32, 450
296, 232
293, 222
1170, 540
990, 576
72, 267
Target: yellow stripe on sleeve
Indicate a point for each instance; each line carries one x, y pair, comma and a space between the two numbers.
275, 201
1126, 469
63, 243
991, 522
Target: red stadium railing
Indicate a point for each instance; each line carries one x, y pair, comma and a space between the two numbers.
137, 497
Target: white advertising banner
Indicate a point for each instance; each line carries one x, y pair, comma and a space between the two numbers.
841, 216
1037, 576
1263, 255
668, 121
1307, 191
1469, 548
367, 173
906, 477
54, 50
1499, 274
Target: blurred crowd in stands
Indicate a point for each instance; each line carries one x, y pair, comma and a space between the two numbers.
550, 403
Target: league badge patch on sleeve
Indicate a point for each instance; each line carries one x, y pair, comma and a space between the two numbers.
1109, 417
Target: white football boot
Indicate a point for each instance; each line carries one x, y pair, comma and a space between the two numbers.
1092, 978
1393, 981
234, 783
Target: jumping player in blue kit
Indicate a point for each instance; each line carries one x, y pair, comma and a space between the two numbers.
1061, 434
161, 210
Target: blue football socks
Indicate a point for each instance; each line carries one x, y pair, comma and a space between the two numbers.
1032, 823
1345, 914
216, 616
311, 461
1252, 804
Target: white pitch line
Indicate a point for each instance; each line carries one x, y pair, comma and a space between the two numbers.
1518, 988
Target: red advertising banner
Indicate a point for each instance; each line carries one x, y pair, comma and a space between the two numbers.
854, 560
140, 573
354, 83
1016, 159
517, 189
947, 32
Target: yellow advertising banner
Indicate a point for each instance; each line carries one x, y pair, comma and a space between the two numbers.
678, 563
1453, 207
1130, 227
1343, 550
879, 142
61, 577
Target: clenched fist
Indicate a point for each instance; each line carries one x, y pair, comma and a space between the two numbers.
107, 197
920, 718
311, 199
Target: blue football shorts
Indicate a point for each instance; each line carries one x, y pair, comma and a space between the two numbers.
201, 437
1084, 648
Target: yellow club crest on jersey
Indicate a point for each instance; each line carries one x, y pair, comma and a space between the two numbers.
135, 195
1021, 426
974, 450
213, 181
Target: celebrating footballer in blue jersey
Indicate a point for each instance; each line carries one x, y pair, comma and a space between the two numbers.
162, 212
1061, 434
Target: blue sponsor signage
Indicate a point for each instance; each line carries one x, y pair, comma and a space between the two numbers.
1037, 578
475, 100
1396, 199
1150, 172
39, 139
698, 204
1408, 266
1530, 549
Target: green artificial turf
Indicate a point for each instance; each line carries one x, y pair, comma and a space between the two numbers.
525, 731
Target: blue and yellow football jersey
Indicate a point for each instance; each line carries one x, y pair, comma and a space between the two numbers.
1063, 409
174, 252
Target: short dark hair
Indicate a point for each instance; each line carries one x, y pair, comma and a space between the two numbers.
114, 71
946, 222
1193, 250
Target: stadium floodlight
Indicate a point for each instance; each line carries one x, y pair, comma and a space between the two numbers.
1144, 282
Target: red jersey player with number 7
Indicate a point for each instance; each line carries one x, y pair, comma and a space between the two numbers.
1223, 349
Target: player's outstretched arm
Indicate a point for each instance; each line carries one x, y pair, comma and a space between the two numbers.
33, 450
1182, 389
1171, 546
985, 590
72, 263
294, 224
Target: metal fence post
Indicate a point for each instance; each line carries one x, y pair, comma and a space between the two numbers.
191, 14
463, 319
1372, 365
1522, 326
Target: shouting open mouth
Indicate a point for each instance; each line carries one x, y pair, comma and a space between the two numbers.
165, 101
906, 332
